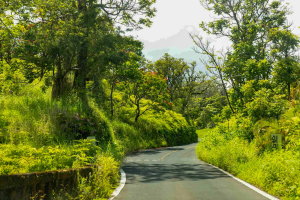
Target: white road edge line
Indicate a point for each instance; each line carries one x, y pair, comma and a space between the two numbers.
247, 184
120, 187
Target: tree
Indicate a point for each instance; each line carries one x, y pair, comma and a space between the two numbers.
122, 12
247, 24
174, 70
148, 86
215, 64
70, 35
127, 70
226, 113
193, 84
286, 66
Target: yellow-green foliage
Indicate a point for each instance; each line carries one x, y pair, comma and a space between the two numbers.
169, 126
154, 130
227, 154
37, 134
262, 132
34, 137
276, 172
131, 139
289, 127
25, 158
105, 131
31, 117
202, 132
157, 129
101, 183
11, 77
26, 118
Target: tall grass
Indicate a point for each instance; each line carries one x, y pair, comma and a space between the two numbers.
30, 117
38, 134
276, 172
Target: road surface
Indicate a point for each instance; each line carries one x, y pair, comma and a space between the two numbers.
175, 173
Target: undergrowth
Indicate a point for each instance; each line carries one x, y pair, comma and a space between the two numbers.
275, 171
40, 134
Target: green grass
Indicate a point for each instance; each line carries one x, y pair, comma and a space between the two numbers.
276, 172
38, 134
26, 158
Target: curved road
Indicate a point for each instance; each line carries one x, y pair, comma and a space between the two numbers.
175, 173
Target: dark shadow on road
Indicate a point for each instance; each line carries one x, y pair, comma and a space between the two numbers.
160, 150
155, 151
147, 173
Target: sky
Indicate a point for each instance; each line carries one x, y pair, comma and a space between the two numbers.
176, 18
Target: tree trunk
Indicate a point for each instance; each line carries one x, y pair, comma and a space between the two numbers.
58, 78
289, 91
96, 86
228, 125
80, 74
137, 111
171, 95
57, 88
224, 87
111, 100
183, 109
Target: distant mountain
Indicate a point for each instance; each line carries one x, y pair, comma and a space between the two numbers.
178, 45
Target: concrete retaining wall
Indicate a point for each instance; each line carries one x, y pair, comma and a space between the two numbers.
39, 185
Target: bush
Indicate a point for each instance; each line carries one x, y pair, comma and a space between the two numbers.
276, 172
130, 138
101, 183
265, 105
169, 126
25, 158
104, 131
38, 134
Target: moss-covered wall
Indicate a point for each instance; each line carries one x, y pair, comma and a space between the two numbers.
39, 185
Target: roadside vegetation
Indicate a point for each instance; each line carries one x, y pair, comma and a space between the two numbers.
260, 75
38, 134
68, 72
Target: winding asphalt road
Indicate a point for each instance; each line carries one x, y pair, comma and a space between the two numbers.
175, 173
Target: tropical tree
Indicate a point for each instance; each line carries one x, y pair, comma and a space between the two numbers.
128, 70
174, 71
66, 36
286, 66
149, 87
194, 84
247, 24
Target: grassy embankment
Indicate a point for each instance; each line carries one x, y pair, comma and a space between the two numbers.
37, 134
202, 132
275, 171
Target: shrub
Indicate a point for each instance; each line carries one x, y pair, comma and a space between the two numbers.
170, 126
276, 172
101, 183
25, 158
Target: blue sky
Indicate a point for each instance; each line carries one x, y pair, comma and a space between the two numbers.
175, 19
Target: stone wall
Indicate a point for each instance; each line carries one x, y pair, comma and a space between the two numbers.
39, 185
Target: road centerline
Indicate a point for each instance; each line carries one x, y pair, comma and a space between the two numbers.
162, 158
181, 176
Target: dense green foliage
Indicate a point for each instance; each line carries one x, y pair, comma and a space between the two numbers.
275, 171
260, 77
67, 72
62, 65
38, 134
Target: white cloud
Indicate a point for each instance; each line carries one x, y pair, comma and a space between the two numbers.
173, 21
